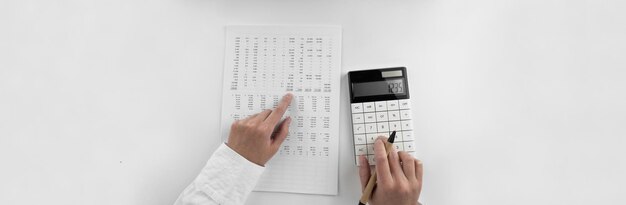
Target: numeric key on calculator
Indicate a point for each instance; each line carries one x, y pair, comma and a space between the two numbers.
371, 159
370, 127
395, 125
399, 146
371, 137
383, 127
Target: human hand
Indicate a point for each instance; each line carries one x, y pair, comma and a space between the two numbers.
258, 137
399, 176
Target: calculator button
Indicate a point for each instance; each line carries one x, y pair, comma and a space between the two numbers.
392, 105
407, 124
370, 128
381, 106
393, 115
360, 150
399, 137
383, 127
409, 146
370, 148
404, 104
399, 146
371, 138
359, 128
357, 118
370, 117
371, 159
357, 107
395, 125
408, 136
359, 139
405, 114
368, 107
381, 116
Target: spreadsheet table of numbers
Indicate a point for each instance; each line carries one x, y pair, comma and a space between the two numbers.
263, 63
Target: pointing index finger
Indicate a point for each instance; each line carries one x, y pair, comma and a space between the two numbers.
280, 109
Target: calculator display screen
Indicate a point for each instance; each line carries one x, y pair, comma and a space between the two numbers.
387, 87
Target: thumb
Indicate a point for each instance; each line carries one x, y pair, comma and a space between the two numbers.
364, 171
281, 133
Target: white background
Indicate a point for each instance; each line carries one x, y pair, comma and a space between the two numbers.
118, 101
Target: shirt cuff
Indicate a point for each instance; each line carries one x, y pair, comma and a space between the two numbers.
228, 178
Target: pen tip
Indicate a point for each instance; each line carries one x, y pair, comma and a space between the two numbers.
392, 137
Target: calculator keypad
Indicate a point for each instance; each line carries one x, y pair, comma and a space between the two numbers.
373, 119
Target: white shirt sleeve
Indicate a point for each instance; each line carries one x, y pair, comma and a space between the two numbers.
227, 178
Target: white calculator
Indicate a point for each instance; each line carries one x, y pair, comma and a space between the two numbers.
380, 104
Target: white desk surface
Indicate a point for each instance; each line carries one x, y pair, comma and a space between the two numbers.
118, 101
